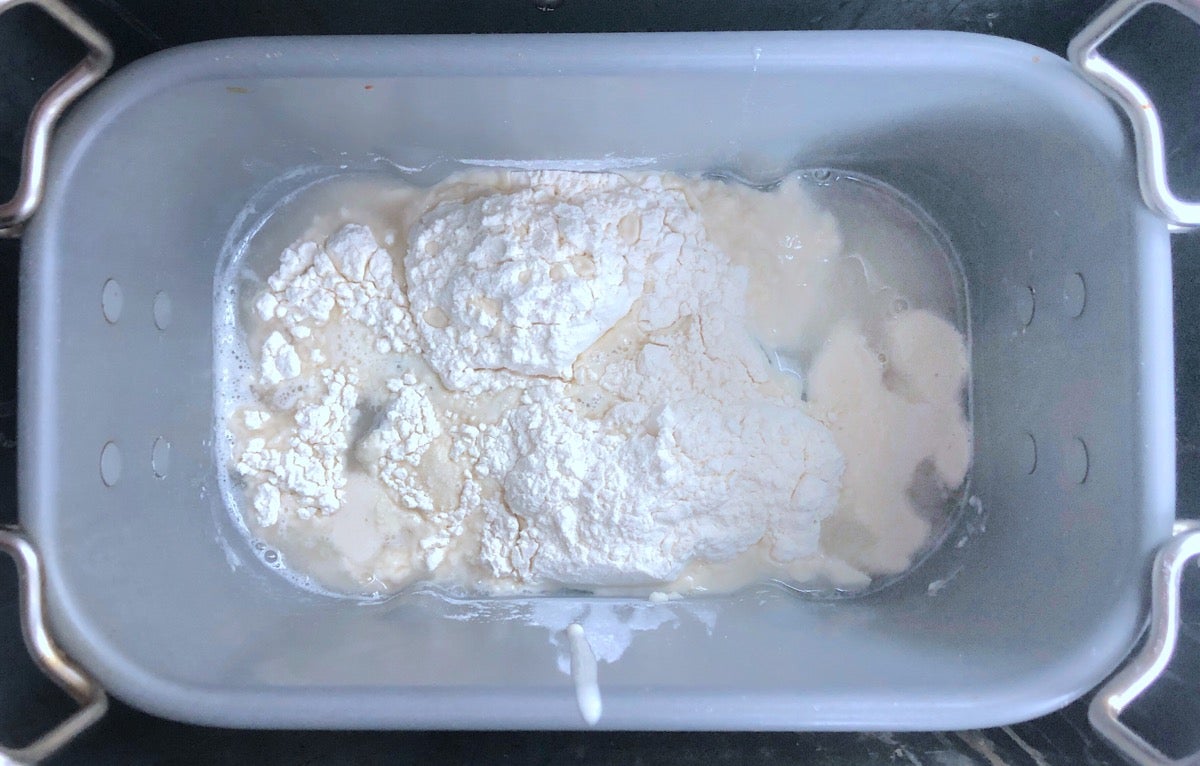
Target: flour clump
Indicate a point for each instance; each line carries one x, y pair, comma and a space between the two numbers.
526, 281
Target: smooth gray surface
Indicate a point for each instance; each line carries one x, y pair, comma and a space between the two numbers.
1027, 169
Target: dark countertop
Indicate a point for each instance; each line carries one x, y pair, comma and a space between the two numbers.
33, 54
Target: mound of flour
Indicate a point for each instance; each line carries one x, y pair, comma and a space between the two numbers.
582, 403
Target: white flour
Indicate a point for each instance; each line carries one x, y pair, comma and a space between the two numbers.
527, 281
560, 388
352, 275
307, 461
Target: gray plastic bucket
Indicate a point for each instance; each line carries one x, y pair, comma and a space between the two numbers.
1028, 170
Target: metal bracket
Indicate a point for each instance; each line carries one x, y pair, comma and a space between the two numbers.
1120, 87
49, 108
49, 657
1127, 685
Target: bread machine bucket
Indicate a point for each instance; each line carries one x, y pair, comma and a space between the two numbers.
125, 545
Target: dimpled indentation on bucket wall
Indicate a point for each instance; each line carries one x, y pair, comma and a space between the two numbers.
111, 464
160, 457
1074, 295
112, 301
162, 310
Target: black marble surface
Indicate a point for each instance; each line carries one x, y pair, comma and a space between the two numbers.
1166, 56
